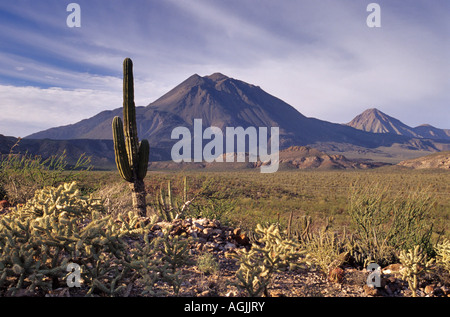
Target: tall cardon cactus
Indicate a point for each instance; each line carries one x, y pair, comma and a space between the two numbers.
131, 155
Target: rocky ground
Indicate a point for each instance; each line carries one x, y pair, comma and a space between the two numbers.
222, 241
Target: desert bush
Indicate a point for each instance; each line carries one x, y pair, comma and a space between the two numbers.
212, 202
208, 201
170, 207
207, 263
323, 251
22, 174
384, 222
212, 208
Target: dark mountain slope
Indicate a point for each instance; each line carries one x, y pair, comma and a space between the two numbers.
223, 102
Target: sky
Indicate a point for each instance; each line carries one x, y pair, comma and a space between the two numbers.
319, 56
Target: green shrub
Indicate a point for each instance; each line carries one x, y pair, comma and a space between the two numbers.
207, 264
385, 222
22, 174
323, 250
212, 202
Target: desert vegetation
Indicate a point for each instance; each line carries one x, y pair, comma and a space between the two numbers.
71, 231
267, 229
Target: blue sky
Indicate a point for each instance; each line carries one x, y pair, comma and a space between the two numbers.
317, 55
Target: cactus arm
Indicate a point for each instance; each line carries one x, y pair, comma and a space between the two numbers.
120, 150
144, 152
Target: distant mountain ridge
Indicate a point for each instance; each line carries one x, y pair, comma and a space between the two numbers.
375, 121
222, 101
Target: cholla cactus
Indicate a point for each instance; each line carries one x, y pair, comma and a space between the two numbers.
443, 254
66, 198
38, 239
253, 276
58, 226
279, 253
415, 264
272, 252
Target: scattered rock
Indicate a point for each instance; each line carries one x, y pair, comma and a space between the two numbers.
336, 275
429, 289
394, 269
240, 237
371, 291
199, 226
210, 234
207, 231
177, 231
229, 246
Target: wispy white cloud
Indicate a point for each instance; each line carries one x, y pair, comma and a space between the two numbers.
319, 56
26, 110
348, 67
35, 109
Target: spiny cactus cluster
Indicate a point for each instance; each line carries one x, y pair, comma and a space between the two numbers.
443, 254
38, 239
174, 252
131, 155
66, 198
271, 253
415, 264
60, 226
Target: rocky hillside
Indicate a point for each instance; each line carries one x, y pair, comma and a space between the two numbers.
436, 160
304, 157
294, 157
